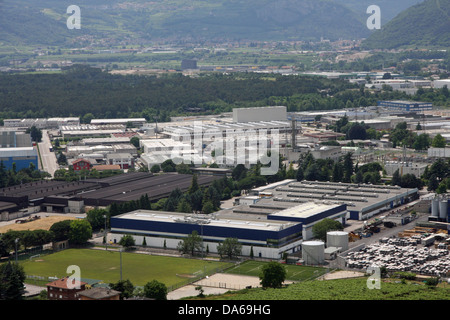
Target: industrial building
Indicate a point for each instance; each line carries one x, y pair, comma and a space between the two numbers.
21, 157
40, 123
269, 236
362, 200
275, 113
135, 122
406, 106
64, 197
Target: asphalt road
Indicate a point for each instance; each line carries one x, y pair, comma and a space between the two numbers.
48, 158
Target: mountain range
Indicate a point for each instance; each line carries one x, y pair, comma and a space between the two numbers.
122, 22
426, 24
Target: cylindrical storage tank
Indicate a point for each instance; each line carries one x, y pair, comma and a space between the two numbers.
337, 239
443, 205
313, 252
435, 207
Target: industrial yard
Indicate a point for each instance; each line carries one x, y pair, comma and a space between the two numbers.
405, 254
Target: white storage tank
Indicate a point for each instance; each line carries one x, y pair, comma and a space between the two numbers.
443, 205
435, 207
313, 252
337, 239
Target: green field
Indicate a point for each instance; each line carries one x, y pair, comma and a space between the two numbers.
138, 268
294, 272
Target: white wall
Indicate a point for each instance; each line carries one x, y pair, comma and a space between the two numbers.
258, 251
259, 114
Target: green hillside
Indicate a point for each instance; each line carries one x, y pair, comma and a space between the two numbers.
344, 289
389, 9
121, 22
424, 25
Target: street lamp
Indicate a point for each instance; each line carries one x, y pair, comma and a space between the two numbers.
15, 242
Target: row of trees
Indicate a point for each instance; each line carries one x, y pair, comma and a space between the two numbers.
163, 97
11, 177
75, 231
152, 290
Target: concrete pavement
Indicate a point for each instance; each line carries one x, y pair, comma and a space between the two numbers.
48, 158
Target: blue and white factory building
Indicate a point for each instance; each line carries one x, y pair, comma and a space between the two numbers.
268, 235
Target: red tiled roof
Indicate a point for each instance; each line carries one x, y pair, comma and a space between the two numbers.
62, 283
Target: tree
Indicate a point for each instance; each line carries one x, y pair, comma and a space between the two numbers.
194, 185
442, 188
36, 134
80, 231
155, 168
230, 247
321, 228
438, 141
208, 207
239, 172
184, 206
359, 178
433, 183
12, 277
61, 230
299, 176
422, 142
125, 287
273, 275
135, 141
168, 166
348, 167
396, 178
155, 290
190, 244
96, 218
337, 173
127, 241
87, 118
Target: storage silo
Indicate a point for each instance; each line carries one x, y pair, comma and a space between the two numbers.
435, 207
443, 207
337, 239
313, 252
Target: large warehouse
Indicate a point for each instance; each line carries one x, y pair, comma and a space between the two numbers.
363, 200
269, 236
61, 196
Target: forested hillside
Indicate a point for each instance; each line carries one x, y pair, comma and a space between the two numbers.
82, 90
424, 25
120, 22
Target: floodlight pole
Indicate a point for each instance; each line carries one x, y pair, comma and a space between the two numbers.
120, 250
106, 234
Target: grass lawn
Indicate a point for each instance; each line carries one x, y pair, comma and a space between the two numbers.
294, 272
105, 265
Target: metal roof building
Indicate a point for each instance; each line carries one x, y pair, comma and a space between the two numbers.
269, 235
362, 200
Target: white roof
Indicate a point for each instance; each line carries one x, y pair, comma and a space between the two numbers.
18, 152
174, 217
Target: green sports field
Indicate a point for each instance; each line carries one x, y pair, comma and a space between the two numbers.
294, 272
105, 266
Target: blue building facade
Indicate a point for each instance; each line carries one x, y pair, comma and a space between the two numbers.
22, 157
407, 106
